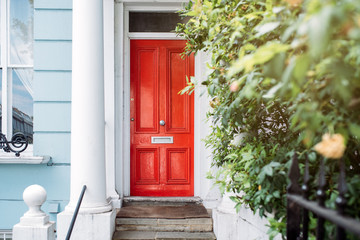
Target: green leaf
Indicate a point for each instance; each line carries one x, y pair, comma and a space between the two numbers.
355, 130
275, 67
268, 51
233, 198
266, 28
312, 157
192, 13
276, 194
268, 170
247, 184
271, 93
260, 56
231, 156
319, 27
301, 68
275, 164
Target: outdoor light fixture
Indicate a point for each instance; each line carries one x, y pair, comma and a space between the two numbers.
17, 144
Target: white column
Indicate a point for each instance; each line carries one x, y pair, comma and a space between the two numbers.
87, 117
96, 219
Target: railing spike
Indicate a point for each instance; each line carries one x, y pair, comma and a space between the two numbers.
305, 192
341, 200
294, 176
321, 195
293, 210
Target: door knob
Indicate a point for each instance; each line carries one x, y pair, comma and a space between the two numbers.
132, 119
162, 122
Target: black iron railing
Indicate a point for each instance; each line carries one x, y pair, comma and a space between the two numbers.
68, 235
18, 143
299, 205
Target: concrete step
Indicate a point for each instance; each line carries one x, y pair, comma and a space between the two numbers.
145, 235
164, 225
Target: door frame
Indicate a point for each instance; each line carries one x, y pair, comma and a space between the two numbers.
122, 89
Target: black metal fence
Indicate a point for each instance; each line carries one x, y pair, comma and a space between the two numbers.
299, 205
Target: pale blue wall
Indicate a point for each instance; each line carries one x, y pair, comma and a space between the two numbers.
52, 105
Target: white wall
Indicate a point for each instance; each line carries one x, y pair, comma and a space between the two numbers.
202, 156
244, 225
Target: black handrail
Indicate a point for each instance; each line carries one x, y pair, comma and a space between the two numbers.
298, 199
75, 213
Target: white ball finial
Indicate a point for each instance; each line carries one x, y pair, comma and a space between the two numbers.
34, 196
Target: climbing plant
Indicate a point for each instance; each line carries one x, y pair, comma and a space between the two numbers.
284, 76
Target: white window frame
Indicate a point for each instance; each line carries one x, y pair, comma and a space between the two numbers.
7, 68
27, 156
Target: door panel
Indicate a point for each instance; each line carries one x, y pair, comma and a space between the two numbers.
165, 166
147, 90
178, 166
177, 111
147, 166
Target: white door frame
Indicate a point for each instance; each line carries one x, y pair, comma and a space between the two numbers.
122, 89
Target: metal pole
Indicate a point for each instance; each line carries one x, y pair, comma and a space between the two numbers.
75, 213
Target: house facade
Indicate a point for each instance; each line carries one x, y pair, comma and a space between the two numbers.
95, 122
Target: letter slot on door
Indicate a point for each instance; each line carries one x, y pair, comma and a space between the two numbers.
162, 140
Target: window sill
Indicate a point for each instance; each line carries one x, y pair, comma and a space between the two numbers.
26, 157
25, 160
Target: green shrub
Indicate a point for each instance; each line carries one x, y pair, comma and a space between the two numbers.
282, 74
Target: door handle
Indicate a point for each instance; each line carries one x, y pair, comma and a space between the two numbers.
162, 122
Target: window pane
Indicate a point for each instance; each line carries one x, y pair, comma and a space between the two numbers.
154, 22
0, 36
21, 32
1, 93
22, 102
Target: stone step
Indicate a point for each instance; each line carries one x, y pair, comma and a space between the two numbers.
165, 201
145, 235
164, 225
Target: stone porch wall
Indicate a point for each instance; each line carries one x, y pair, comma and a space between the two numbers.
244, 225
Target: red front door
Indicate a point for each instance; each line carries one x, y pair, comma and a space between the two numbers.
162, 121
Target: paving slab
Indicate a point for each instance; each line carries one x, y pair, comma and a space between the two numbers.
165, 221
138, 221
199, 221
133, 235
163, 228
184, 236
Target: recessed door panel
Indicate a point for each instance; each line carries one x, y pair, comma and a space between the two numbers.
147, 90
177, 111
147, 166
178, 165
161, 129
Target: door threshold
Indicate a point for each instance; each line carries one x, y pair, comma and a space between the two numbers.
162, 200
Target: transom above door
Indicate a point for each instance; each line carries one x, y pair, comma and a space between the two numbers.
162, 121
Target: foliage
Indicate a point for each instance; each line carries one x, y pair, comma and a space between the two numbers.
282, 74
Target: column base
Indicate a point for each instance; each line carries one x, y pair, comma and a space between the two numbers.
87, 226
90, 209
